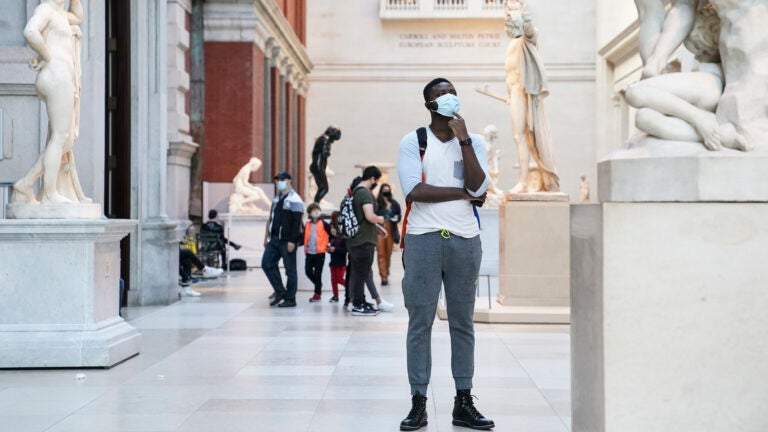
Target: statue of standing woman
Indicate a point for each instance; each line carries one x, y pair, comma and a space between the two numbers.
54, 34
320, 153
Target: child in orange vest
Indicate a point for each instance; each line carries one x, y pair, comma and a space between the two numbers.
316, 239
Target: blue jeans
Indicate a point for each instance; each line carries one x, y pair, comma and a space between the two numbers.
273, 253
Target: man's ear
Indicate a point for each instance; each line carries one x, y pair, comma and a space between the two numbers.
432, 105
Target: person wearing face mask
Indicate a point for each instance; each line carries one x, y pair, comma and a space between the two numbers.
363, 245
282, 235
316, 240
390, 210
443, 174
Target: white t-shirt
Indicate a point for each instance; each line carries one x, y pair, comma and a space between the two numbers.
443, 166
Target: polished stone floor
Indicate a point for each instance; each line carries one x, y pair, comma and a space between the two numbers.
226, 362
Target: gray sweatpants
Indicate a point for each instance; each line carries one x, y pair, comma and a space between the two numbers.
431, 261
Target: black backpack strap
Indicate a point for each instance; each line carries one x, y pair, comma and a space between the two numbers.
421, 134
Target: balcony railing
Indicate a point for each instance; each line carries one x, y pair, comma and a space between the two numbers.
441, 9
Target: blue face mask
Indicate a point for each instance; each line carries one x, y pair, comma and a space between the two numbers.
447, 105
282, 185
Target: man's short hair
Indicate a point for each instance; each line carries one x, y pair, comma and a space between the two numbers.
434, 82
371, 172
212, 214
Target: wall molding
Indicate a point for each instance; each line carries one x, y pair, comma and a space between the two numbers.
17, 89
378, 72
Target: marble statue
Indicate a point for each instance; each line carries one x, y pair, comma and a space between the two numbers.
320, 153
583, 189
701, 105
245, 196
495, 195
526, 89
324, 204
54, 34
744, 50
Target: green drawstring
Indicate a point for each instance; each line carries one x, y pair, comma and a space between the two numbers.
444, 233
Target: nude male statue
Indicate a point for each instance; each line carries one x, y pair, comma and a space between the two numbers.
320, 154
527, 87
54, 34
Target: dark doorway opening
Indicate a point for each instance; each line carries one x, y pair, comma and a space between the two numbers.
117, 172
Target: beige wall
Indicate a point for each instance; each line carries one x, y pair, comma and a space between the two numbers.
368, 81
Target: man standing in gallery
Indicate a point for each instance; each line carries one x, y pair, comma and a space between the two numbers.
443, 175
281, 239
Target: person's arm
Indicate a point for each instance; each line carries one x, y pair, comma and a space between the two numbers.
396, 212
409, 169
33, 34
475, 177
75, 13
370, 214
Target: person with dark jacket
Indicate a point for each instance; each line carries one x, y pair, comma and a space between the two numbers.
281, 239
213, 226
390, 210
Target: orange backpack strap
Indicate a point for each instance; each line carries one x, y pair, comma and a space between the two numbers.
421, 134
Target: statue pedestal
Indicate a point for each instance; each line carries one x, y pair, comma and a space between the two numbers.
534, 259
532, 243
668, 298
247, 231
60, 285
54, 211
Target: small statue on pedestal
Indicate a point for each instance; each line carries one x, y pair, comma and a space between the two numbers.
583, 189
495, 195
320, 153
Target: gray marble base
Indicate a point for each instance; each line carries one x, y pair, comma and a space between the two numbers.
60, 288
534, 254
247, 231
668, 307
54, 211
655, 170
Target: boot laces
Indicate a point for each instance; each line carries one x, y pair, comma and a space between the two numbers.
419, 406
469, 404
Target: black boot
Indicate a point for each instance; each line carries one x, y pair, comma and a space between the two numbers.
417, 418
466, 415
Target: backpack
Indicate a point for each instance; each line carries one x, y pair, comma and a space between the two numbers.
349, 226
421, 134
237, 264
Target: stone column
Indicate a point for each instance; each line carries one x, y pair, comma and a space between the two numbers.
267, 118
154, 247
181, 146
294, 132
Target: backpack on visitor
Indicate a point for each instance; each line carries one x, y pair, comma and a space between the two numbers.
349, 226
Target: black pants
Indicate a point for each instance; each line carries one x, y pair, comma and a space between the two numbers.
186, 260
313, 266
361, 258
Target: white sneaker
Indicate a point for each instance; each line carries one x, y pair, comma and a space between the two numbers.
350, 306
189, 292
386, 306
212, 272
